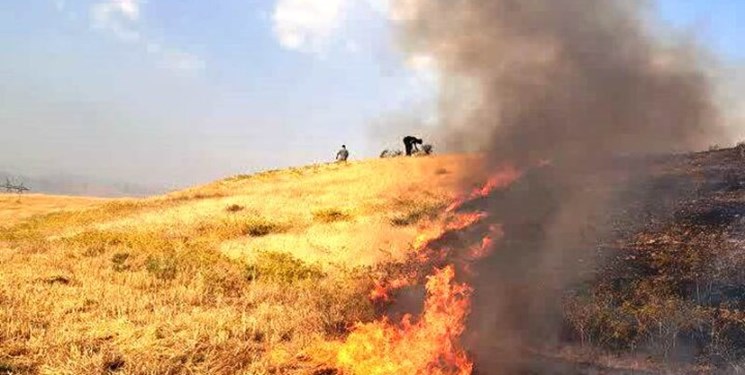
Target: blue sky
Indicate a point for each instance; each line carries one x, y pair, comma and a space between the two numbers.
718, 23
173, 93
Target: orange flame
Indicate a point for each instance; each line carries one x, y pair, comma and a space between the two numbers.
507, 175
463, 221
487, 243
382, 289
458, 223
428, 346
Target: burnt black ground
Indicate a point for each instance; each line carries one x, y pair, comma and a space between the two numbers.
649, 252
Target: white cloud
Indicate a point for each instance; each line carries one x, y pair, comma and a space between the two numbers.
380, 6
181, 61
122, 18
108, 12
395, 10
312, 25
307, 25
119, 17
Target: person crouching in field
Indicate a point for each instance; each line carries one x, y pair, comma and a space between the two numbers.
343, 154
410, 144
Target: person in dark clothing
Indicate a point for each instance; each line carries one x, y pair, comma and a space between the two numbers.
343, 154
410, 144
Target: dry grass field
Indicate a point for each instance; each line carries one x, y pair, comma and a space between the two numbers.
239, 276
14, 208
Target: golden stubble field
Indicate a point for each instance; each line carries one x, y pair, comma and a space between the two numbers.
239, 276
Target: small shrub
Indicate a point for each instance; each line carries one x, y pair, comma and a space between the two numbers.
238, 227
417, 211
234, 208
62, 280
113, 363
185, 197
330, 215
224, 277
94, 251
342, 300
260, 229
119, 262
239, 177
162, 268
6, 369
713, 147
281, 268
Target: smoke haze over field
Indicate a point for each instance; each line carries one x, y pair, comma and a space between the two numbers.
559, 79
574, 82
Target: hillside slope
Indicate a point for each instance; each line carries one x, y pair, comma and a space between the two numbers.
232, 277
14, 208
269, 273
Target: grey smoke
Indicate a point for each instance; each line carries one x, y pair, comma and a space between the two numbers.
575, 82
561, 79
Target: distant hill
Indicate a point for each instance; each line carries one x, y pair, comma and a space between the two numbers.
64, 184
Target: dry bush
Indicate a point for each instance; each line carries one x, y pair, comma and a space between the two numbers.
162, 267
282, 268
236, 227
194, 196
415, 211
330, 215
7, 369
234, 208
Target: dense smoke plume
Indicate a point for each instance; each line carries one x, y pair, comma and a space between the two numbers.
561, 79
580, 84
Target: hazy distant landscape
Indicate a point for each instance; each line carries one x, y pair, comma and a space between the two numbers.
61, 184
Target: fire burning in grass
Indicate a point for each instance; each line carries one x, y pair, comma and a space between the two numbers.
504, 177
458, 223
428, 344
381, 290
487, 243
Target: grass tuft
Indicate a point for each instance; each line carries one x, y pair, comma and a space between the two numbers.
7, 369
119, 262
238, 227
113, 364
233, 208
330, 215
281, 268
416, 211
62, 280
162, 267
